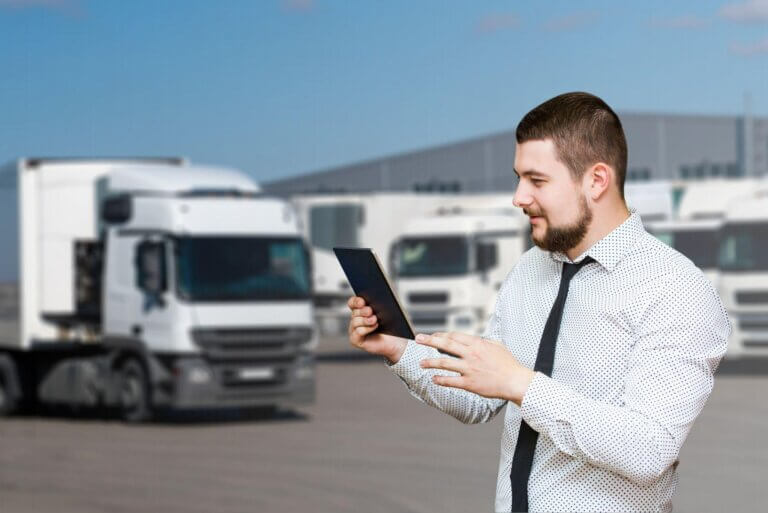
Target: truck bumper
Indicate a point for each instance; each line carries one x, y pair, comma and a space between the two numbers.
199, 384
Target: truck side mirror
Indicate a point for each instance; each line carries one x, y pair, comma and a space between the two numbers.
486, 256
151, 274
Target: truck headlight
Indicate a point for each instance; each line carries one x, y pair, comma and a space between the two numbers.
305, 368
311, 344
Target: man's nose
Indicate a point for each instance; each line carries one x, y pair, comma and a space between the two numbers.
522, 198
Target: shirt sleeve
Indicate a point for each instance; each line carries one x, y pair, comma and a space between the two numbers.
682, 338
465, 406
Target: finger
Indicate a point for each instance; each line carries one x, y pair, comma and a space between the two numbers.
357, 338
356, 302
449, 364
463, 338
450, 381
362, 312
442, 344
363, 331
363, 321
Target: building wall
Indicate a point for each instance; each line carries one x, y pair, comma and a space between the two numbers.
661, 146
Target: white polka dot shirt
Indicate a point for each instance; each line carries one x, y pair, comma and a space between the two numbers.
642, 334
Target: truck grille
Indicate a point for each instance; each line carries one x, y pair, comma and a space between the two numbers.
243, 345
753, 323
752, 297
429, 318
428, 297
755, 343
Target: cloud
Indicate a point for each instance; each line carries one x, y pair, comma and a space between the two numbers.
688, 21
572, 21
496, 22
298, 5
749, 11
750, 49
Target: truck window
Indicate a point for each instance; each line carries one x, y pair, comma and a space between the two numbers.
241, 268
744, 247
433, 256
701, 246
151, 272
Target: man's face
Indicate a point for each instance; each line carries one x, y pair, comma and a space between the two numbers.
558, 209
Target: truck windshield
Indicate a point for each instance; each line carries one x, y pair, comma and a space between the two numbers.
241, 269
433, 256
744, 247
700, 246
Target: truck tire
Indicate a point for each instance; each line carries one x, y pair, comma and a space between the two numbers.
8, 401
9, 391
134, 395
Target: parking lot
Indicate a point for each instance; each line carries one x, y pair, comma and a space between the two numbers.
366, 445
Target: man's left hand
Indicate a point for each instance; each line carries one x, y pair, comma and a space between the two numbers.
486, 367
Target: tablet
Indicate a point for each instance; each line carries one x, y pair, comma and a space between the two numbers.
367, 278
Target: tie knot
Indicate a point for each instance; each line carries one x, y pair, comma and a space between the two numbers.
570, 270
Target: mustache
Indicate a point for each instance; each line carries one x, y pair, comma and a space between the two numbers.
533, 213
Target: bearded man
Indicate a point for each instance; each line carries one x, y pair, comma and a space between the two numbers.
604, 340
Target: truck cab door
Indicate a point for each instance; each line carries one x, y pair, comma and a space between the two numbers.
138, 302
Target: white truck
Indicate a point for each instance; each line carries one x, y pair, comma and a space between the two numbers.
449, 266
695, 230
743, 266
353, 220
141, 284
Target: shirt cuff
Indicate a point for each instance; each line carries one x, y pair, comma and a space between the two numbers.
545, 402
407, 367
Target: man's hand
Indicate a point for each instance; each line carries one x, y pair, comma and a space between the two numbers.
362, 323
486, 367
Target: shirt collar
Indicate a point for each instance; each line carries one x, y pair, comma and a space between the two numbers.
609, 250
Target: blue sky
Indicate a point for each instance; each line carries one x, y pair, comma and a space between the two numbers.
282, 87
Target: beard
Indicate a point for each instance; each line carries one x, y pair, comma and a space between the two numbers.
562, 238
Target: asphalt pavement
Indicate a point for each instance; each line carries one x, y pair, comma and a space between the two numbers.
366, 445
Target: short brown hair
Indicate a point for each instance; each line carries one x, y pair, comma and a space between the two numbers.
584, 129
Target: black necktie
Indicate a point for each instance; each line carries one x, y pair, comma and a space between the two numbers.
526, 439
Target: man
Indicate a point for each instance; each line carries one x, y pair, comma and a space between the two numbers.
604, 339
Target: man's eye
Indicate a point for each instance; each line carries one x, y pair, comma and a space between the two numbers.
536, 182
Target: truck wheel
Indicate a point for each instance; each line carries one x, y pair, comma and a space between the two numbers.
7, 400
135, 402
9, 386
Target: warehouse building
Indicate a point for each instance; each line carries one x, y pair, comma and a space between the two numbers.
661, 147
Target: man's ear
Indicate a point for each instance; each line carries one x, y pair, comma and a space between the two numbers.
600, 178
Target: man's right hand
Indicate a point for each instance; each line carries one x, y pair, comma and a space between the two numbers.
363, 322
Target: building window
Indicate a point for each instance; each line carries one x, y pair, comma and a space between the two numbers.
705, 170
642, 174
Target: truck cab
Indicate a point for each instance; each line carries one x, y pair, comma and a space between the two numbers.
743, 265
373, 221
159, 286
449, 267
695, 230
